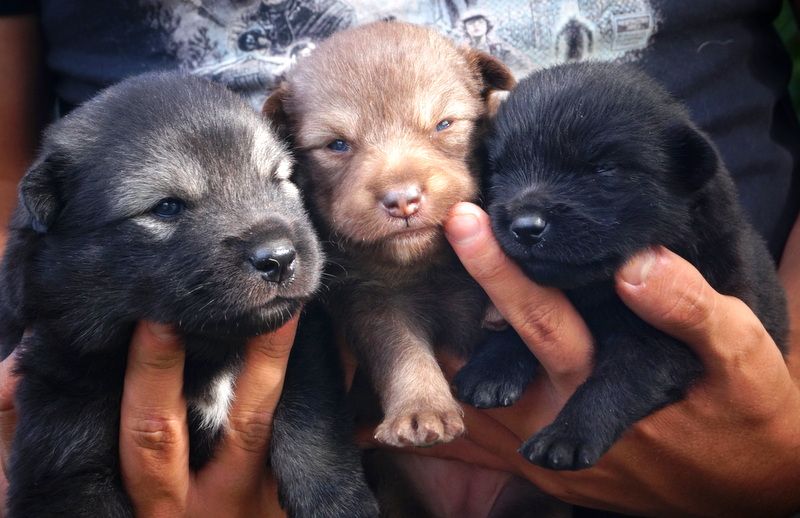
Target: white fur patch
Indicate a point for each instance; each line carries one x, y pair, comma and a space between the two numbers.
213, 407
158, 229
265, 149
284, 170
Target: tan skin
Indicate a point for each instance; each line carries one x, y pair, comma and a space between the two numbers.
732, 447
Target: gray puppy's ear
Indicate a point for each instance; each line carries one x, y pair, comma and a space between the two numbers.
39, 193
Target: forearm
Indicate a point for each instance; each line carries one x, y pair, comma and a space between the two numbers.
21, 106
789, 272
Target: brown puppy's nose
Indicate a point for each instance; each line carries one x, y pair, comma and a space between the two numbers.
403, 202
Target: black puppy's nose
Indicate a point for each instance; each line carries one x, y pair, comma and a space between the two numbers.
274, 261
528, 228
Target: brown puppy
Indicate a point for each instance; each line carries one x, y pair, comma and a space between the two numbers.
386, 119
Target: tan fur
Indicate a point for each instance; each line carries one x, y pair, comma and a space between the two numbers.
383, 88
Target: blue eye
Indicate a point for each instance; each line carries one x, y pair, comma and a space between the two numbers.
168, 207
339, 146
443, 125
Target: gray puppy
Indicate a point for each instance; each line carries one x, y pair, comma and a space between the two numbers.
165, 198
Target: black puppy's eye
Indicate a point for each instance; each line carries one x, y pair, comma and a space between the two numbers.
604, 168
443, 125
168, 207
339, 146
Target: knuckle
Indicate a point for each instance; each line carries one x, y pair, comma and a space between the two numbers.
491, 270
539, 323
692, 308
164, 361
273, 347
751, 335
250, 430
156, 434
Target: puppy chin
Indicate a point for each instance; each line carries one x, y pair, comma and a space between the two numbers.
244, 322
567, 276
408, 247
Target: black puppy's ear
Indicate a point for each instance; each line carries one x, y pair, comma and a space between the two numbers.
693, 157
38, 192
274, 110
494, 74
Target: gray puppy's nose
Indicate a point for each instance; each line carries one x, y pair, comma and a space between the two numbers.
529, 228
275, 261
403, 202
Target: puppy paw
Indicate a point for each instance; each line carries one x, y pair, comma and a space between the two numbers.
423, 427
559, 448
480, 388
498, 373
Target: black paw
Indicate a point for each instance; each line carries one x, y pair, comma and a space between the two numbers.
487, 389
559, 448
498, 373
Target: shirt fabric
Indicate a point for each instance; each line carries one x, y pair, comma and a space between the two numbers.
721, 57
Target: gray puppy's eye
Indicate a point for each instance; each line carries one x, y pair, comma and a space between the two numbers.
168, 207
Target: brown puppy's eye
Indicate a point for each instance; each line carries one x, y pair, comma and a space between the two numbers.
443, 125
339, 146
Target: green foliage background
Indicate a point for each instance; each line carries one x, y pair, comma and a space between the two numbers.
787, 27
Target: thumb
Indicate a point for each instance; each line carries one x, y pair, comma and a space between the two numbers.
669, 293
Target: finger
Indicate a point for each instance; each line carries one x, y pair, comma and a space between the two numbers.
242, 455
669, 293
154, 438
543, 317
8, 415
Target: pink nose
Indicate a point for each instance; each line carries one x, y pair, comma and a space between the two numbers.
403, 202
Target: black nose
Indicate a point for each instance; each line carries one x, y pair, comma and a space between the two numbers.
528, 228
275, 261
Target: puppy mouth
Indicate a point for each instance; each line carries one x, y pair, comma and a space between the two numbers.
413, 232
255, 319
568, 275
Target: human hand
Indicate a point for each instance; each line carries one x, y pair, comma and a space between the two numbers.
732, 445
8, 421
154, 437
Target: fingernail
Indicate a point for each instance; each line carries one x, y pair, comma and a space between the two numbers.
463, 225
162, 332
637, 269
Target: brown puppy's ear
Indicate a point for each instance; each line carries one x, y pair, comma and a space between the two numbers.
494, 74
274, 111
39, 193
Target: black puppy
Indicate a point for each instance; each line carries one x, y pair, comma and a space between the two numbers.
165, 198
590, 164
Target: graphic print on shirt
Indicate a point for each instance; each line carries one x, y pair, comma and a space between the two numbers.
249, 45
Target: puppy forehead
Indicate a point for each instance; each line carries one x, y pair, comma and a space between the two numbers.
380, 74
183, 163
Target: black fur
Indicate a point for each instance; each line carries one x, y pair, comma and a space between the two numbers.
613, 165
87, 258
